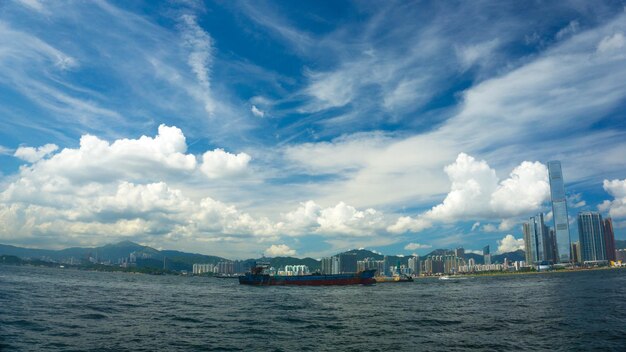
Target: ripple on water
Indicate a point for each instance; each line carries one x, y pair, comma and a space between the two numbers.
549, 312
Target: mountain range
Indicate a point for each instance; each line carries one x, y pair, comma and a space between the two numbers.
177, 260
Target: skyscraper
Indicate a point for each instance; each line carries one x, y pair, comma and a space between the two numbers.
559, 211
591, 233
538, 241
609, 239
486, 255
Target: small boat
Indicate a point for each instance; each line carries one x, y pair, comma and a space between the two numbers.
393, 279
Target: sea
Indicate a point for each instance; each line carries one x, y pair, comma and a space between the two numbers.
55, 309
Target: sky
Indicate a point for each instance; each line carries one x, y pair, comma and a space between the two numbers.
241, 128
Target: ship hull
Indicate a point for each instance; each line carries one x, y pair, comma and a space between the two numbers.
361, 278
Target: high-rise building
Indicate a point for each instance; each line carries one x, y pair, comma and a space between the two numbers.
559, 211
347, 263
538, 240
414, 265
591, 234
459, 252
609, 239
575, 252
327, 265
335, 264
486, 255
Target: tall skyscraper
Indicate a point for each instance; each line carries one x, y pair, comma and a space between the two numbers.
591, 233
559, 211
609, 239
486, 255
538, 241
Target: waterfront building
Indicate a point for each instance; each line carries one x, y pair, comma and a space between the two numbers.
414, 265
347, 263
591, 234
202, 268
559, 212
486, 255
609, 239
226, 267
327, 265
576, 252
459, 252
367, 264
620, 255
335, 265
538, 241
387, 266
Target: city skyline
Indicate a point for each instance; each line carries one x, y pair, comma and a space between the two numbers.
309, 129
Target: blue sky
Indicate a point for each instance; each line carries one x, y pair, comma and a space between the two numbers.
240, 128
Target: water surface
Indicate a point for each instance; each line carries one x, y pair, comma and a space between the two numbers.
70, 310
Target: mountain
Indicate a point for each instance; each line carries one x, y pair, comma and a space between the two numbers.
114, 253
620, 244
511, 256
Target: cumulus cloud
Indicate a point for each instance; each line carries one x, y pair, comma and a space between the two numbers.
256, 112
339, 219
407, 223
279, 250
218, 163
617, 206
413, 246
476, 193
103, 191
510, 244
32, 155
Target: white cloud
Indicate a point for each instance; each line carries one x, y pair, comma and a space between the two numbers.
570, 29
413, 246
341, 219
256, 112
617, 206
489, 228
474, 54
279, 250
218, 163
510, 244
200, 57
612, 42
32, 155
476, 193
345, 219
476, 225
5, 151
407, 223
524, 191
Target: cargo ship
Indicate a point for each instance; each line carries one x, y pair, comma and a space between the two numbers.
258, 277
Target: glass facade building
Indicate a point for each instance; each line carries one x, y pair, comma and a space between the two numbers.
591, 233
559, 212
538, 241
